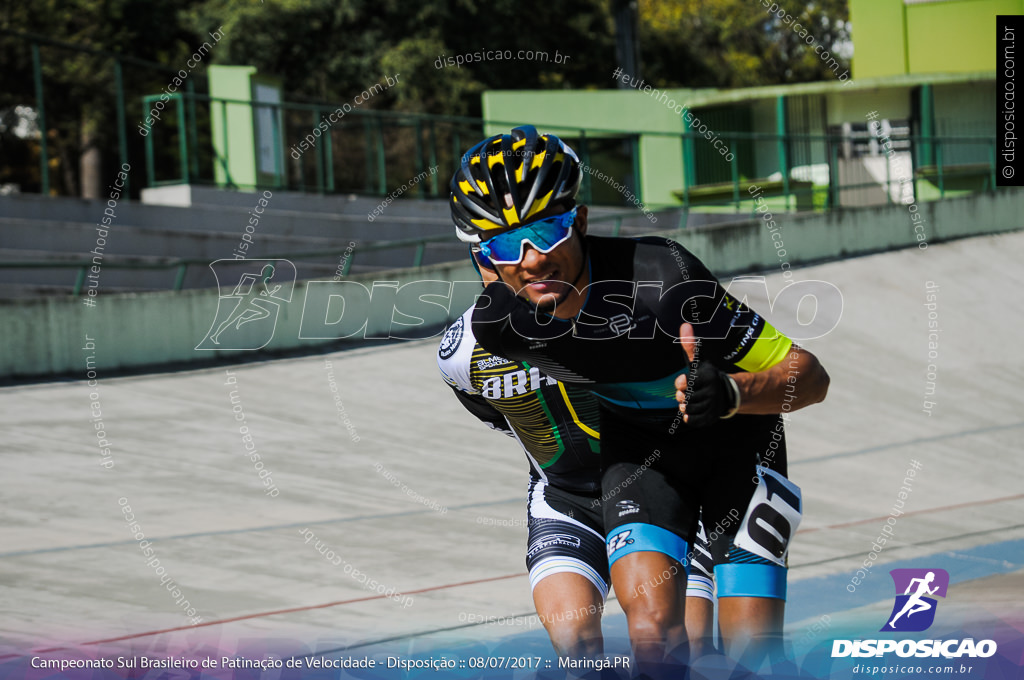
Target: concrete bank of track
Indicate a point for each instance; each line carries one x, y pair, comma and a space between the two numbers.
399, 521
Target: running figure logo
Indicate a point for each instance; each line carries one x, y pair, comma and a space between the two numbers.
914, 611
254, 303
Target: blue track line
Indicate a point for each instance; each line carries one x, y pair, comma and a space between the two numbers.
828, 594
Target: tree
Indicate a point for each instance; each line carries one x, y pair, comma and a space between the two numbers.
737, 43
78, 86
330, 50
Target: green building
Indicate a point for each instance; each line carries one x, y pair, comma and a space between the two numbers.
902, 37
923, 69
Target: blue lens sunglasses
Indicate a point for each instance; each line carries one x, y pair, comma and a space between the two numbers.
544, 235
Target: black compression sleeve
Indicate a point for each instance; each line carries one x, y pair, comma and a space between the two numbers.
479, 407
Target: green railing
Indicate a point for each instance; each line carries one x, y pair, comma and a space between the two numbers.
180, 266
143, 74
369, 152
365, 141
375, 152
974, 170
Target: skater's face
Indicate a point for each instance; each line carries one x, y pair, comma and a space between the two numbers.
551, 280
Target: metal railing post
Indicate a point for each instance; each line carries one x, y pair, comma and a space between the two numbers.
183, 139
150, 165
780, 129
368, 155
319, 157
382, 170
193, 130
226, 161
734, 171
888, 183
179, 279
329, 158
44, 158
418, 131
585, 158
79, 281
433, 158
275, 125
833, 177
992, 166
635, 166
122, 135
689, 166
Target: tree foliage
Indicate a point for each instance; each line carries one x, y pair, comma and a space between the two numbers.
737, 43
330, 50
79, 88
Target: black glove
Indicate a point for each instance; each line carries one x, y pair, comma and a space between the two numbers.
710, 395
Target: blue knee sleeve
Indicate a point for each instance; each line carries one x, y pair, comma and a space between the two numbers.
751, 580
636, 537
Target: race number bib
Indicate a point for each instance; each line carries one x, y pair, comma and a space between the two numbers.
772, 517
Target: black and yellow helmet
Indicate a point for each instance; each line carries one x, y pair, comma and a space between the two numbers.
506, 179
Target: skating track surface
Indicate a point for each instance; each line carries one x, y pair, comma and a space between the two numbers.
431, 504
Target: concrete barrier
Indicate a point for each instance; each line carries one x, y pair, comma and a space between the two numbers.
749, 246
44, 337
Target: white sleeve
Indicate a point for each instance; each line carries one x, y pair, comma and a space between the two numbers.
455, 353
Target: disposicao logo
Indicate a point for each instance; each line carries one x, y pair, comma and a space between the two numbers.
914, 611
